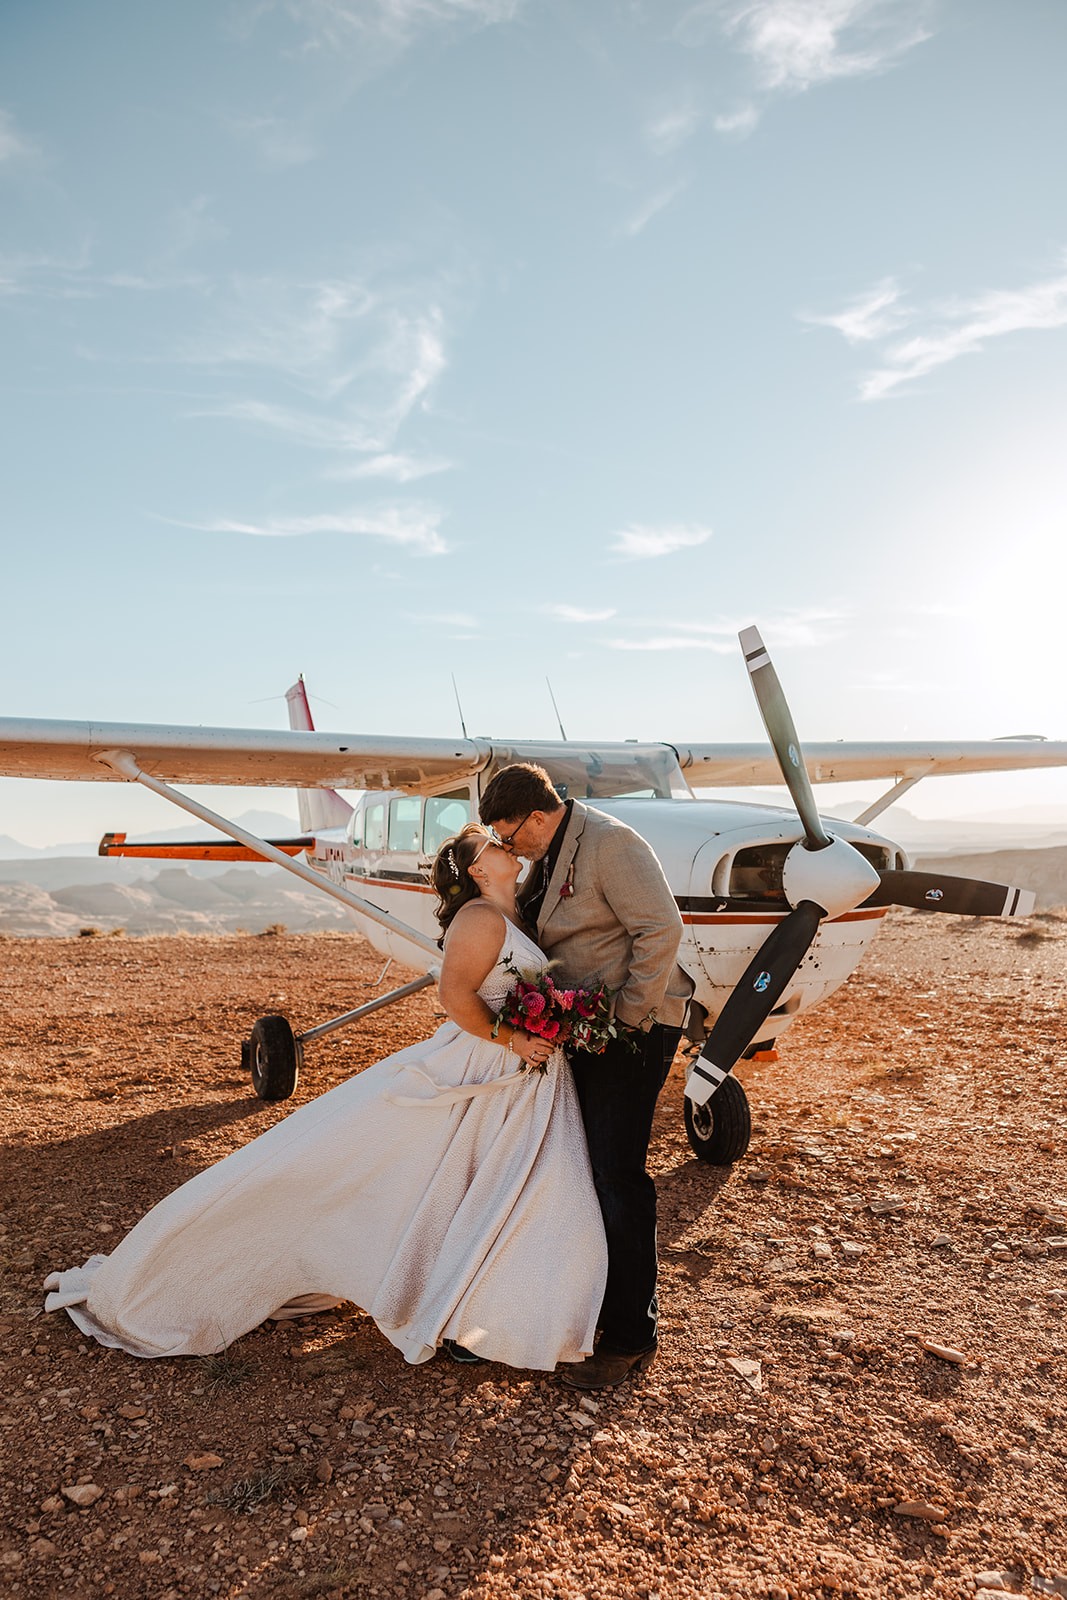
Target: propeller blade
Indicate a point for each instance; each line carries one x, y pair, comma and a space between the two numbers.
967, 897
778, 722
753, 1000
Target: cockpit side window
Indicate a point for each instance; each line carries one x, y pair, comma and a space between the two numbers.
445, 815
374, 826
405, 823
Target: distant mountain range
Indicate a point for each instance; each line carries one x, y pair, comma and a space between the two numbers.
47, 894
268, 824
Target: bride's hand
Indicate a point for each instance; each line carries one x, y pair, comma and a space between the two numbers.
535, 1052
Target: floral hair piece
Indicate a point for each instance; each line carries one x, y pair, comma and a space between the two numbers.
451, 862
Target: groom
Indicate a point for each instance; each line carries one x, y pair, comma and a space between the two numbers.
604, 912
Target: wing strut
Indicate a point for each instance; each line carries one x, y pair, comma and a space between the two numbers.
125, 764
890, 797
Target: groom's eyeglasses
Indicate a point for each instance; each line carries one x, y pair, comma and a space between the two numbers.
508, 839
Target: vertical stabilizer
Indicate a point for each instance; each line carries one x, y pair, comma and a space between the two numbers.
319, 808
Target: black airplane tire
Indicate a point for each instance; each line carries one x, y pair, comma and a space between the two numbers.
274, 1058
719, 1131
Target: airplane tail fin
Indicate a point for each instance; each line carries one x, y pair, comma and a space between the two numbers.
319, 808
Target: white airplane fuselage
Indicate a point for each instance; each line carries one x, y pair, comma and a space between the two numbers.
722, 860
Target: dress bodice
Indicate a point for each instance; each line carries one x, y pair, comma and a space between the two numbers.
517, 952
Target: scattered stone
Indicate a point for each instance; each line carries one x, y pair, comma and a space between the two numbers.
324, 1471
940, 1241
750, 1371
1002, 1582
1057, 1242
82, 1494
850, 1248
923, 1510
944, 1352
580, 1419
885, 1208
131, 1411
822, 1251
43, 1548
205, 1463
53, 1503
1056, 1585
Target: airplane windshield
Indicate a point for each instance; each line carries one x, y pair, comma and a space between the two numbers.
632, 771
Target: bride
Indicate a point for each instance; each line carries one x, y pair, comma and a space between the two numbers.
447, 1190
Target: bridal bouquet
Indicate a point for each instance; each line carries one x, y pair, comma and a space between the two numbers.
578, 1017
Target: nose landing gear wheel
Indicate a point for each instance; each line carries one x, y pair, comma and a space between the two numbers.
273, 1055
719, 1131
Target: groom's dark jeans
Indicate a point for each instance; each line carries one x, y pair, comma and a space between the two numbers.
617, 1092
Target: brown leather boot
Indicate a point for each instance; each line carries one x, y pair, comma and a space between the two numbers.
604, 1370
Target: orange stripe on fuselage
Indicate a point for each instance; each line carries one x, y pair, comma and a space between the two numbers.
735, 918
692, 918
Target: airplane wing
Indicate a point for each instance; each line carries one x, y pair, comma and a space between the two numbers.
36, 748
299, 759
722, 766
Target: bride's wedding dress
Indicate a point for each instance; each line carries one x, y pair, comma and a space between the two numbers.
445, 1193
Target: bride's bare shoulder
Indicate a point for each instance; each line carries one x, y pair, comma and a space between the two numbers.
477, 923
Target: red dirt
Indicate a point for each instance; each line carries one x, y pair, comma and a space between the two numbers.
313, 1462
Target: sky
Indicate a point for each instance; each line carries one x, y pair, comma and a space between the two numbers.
392, 340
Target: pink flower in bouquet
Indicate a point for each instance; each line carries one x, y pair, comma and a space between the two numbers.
549, 1029
532, 1003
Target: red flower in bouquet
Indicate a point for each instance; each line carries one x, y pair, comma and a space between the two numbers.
578, 1017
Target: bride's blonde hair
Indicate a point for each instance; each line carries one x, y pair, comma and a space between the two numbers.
450, 873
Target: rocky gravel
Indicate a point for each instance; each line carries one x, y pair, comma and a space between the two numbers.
861, 1387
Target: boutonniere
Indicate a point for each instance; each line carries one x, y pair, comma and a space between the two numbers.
566, 888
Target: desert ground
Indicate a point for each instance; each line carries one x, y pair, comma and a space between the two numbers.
861, 1385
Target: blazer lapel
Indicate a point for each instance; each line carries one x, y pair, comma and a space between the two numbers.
569, 848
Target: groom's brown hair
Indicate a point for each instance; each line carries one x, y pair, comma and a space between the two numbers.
516, 791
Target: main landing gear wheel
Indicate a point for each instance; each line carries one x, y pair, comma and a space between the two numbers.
720, 1129
273, 1055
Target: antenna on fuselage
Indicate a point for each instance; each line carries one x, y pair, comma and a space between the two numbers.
459, 706
555, 708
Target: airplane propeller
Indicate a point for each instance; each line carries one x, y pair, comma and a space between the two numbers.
967, 897
823, 876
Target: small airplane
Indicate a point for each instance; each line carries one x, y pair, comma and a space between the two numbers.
778, 905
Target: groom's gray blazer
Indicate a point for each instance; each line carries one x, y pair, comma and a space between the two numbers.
618, 924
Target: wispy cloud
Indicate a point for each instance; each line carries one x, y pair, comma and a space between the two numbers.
334, 24
416, 527
672, 641
657, 202
869, 316
797, 44
445, 619
739, 122
395, 467
639, 542
567, 613
800, 629
280, 143
949, 330
12, 143
666, 131
363, 359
